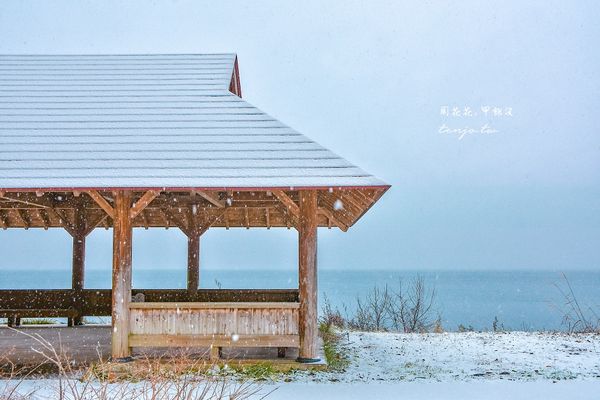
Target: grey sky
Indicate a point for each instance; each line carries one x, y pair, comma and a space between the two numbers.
367, 80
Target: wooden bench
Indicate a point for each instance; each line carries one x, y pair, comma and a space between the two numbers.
215, 325
14, 315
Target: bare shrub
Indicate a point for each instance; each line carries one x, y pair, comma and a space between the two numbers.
330, 316
12, 378
575, 317
372, 313
406, 309
411, 310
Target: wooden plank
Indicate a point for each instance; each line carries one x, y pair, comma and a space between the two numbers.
212, 305
142, 203
307, 273
39, 313
287, 202
332, 218
156, 340
121, 277
211, 198
24, 218
97, 302
101, 201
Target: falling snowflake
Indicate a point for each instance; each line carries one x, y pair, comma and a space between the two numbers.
229, 201
235, 337
338, 205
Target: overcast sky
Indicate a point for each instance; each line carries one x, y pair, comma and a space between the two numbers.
370, 81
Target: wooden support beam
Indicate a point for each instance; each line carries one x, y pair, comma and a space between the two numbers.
24, 218
145, 219
3, 220
246, 218
44, 217
211, 198
92, 224
101, 201
143, 202
290, 219
193, 270
38, 204
121, 277
287, 202
64, 220
78, 260
268, 218
170, 217
332, 218
307, 274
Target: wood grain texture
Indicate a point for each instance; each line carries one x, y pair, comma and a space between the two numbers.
307, 264
234, 324
214, 341
121, 278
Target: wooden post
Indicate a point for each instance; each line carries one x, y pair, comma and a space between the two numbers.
78, 263
307, 274
121, 279
193, 271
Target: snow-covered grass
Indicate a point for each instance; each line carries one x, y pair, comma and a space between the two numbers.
393, 357
478, 365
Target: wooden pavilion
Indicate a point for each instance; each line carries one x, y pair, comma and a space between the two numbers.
144, 141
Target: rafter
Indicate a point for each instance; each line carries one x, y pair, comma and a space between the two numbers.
27, 202
142, 203
287, 202
290, 219
211, 198
24, 218
332, 218
101, 201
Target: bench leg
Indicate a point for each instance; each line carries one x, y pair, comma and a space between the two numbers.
215, 353
75, 321
281, 352
14, 322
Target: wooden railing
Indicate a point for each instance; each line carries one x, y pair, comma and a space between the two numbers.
97, 302
214, 324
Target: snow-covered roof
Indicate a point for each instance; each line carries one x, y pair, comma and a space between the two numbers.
142, 121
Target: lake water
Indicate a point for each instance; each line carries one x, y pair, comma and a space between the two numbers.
520, 299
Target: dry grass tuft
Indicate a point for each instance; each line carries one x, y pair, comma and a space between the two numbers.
173, 376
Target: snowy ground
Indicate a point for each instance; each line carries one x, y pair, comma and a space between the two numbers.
472, 365
393, 357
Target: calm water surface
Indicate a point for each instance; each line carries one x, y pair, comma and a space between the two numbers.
520, 299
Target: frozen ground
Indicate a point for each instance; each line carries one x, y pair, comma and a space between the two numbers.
393, 357
492, 366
